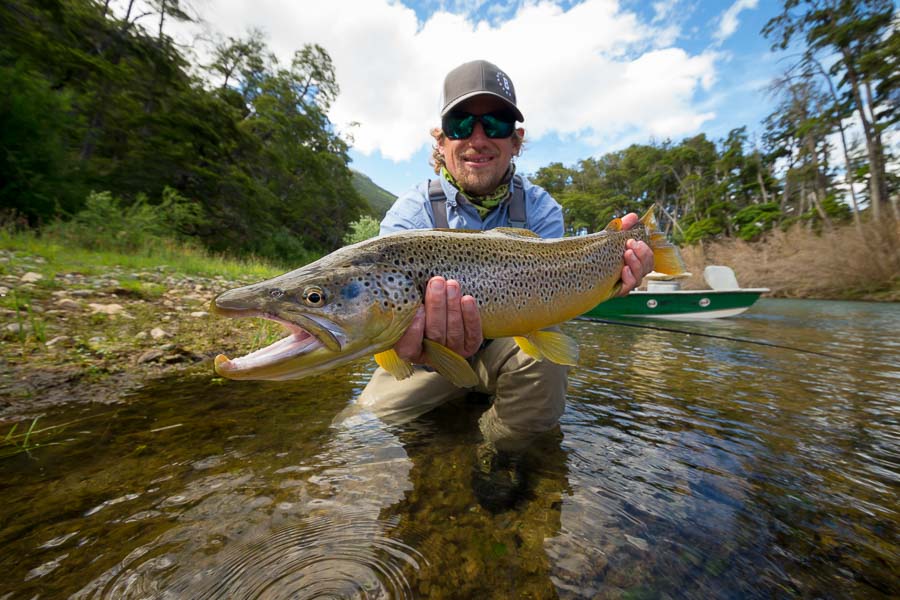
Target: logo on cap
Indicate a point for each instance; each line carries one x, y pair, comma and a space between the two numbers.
503, 82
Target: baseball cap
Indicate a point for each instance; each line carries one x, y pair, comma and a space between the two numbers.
474, 79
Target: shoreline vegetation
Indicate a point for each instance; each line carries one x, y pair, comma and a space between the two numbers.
84, 322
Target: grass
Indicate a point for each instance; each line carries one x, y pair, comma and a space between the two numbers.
168, 255
799, 263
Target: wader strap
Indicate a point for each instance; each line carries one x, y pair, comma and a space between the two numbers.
516, 203
438, 203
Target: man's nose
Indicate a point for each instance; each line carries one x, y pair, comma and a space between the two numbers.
478, 135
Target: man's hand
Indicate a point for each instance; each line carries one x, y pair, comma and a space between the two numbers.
638, 258
446, 318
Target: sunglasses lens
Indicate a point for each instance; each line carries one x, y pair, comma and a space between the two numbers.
496, 126
458, 126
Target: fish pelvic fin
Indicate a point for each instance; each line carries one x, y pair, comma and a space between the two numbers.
666, 256
450, 364
554, 346
391, 362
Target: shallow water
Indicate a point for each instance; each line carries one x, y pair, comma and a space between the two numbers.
683, 467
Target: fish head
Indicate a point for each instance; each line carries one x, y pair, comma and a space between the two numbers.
334, 314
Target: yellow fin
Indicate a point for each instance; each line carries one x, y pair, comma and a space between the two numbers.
450, 364
526, 346
614, 225
555, 346
515, 231
391, 362
666, 256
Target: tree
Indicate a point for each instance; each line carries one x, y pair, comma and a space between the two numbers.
856, 37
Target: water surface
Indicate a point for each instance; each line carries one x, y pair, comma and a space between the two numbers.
683, 467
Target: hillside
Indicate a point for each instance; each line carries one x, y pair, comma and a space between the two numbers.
379, 199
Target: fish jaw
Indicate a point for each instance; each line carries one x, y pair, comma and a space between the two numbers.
317, 340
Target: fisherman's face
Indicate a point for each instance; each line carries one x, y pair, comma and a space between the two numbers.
479, 163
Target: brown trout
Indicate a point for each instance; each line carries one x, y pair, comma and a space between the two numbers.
360, 299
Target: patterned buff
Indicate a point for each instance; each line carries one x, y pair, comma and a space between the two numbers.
484, 204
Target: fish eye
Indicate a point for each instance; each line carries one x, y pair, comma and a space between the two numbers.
314, 296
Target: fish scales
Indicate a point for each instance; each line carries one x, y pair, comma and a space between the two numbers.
520, 282
360, 299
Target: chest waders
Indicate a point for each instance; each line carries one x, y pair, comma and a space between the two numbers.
516, 203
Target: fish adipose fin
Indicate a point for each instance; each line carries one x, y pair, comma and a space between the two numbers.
554, 346
450, 364
666, 257
391, 362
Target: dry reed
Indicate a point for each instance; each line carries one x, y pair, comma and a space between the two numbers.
799, 263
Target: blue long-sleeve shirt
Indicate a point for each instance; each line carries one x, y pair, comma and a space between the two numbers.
412, 210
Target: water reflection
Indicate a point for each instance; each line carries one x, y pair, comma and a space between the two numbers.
682, 467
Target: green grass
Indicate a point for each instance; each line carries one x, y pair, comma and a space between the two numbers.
167, 255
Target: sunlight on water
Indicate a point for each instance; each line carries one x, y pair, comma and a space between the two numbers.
683, 466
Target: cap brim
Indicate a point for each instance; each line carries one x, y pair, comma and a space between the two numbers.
457, 101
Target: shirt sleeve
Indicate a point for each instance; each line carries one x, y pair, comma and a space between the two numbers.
545, 215
408, 212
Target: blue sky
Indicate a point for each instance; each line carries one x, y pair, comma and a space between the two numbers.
592, 76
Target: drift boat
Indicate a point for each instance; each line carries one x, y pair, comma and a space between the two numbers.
664, 298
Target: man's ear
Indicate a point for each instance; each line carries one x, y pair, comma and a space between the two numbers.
519, 139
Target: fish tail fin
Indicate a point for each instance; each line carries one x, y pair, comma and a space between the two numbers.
666, 256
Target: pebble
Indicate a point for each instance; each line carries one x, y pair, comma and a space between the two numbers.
3, 290
68, 304
158, 333
107, 309
150, 356
199, 314
142, 335
31, 277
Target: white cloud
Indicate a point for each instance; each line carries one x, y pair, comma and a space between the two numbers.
728, 24
592, 71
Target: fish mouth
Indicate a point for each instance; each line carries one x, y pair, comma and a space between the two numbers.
286, 358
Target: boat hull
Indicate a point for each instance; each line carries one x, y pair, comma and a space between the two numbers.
678, 305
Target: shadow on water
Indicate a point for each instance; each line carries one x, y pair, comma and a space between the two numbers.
682, 467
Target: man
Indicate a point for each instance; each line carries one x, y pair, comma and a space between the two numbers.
477, 189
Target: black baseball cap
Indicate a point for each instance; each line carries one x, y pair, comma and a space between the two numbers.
474, 79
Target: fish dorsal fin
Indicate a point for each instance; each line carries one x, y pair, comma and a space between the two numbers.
515, 231
554, 346
450, 364
614, 225
391, 362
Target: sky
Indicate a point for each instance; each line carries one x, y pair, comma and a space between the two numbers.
591, 76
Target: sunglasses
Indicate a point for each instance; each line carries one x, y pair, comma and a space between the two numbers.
460, 125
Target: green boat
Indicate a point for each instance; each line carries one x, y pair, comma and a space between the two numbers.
664, 298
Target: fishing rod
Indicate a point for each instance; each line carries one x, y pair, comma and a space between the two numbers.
709, 335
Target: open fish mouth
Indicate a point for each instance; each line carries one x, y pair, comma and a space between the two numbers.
299, 342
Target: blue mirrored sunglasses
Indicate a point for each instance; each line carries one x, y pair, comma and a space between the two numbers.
460, 125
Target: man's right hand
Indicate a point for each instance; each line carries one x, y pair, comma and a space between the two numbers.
447, 318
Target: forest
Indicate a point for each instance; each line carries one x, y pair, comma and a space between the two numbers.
103, 112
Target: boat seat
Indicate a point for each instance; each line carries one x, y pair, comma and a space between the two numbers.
719, 277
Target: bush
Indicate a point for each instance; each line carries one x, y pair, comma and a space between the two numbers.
108, 223
362, 229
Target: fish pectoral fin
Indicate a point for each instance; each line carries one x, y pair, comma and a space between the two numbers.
527, 346
391, 362
514, 231
555, 346
450, 364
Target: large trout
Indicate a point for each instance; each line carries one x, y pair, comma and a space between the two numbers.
360, 299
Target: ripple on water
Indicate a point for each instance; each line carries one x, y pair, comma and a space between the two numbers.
343, 556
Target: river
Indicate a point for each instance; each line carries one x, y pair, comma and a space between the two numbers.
683, 467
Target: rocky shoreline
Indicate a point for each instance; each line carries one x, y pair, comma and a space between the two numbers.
80, 337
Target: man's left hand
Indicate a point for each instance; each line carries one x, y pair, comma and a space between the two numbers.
638, 258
